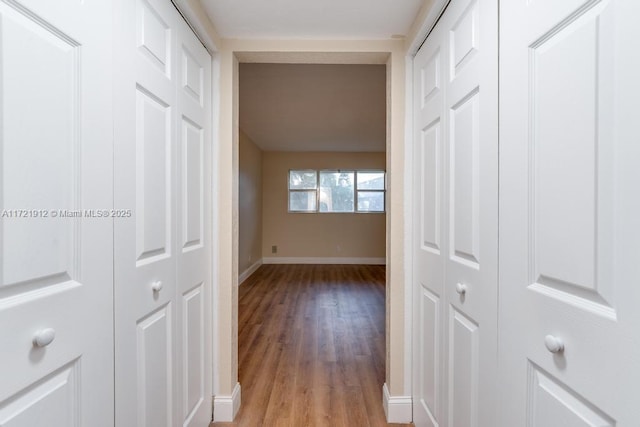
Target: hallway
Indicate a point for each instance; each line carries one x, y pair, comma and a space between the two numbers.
312, 346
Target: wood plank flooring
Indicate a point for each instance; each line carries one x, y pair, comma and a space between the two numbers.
312, 346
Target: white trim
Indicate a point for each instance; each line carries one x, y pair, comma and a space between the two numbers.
408, 227
225, 408
427, 25
249, 271
396, 408
216, 372
324, 260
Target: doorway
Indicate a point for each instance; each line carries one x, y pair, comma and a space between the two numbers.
389, 53
312, 142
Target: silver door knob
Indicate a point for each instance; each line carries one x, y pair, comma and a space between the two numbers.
554, 344
44, 337
156, 286
461, 288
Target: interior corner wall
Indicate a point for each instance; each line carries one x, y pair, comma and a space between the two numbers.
249, 204
317, 235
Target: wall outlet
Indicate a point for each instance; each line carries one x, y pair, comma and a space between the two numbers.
274, 249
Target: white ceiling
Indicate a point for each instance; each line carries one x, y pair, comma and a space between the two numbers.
314, 107
311, 19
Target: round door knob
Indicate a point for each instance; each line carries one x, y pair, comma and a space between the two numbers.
156, 286
44, 337
554, 344
461, 288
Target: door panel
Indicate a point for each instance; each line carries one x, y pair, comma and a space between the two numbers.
565, 163
163, 268
192, 185
145, 272
429, 391
431, 192
154, 348
428, 220
39, 108
463, 181
56, 283
455, 260
463, 370
194, 215
54, 400
464, 38
154, 34
553, 404
153, 177
193, 350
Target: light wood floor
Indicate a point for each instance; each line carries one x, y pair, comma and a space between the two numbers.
312, 346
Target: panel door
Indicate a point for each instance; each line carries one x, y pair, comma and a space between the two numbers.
56, 262
145, 180
569, 223
429, 221
193, 242
471, 282
456, 153
163, 351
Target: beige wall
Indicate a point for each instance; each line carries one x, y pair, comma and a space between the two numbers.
321, 234
249, 203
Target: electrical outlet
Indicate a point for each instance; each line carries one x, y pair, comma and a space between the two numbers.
274, 249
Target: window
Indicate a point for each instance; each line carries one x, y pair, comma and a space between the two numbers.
370, 191
303, 186
336, 191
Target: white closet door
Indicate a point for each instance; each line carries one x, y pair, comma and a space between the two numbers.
569, 223
145, 181
56, 287
456, 184
193, 245
162, 264
429, 220
471, 279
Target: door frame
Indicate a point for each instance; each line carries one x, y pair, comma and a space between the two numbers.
301, 52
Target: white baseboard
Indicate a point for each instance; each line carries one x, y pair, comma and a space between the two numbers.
249, 271
398, 409
225, 408
323, 260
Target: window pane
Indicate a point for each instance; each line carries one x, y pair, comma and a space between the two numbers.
303, 180
371, 201
302, 201
336, 192
370, 180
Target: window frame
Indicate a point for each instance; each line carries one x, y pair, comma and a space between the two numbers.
383, 190
356, 191
301, 190
338, 171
